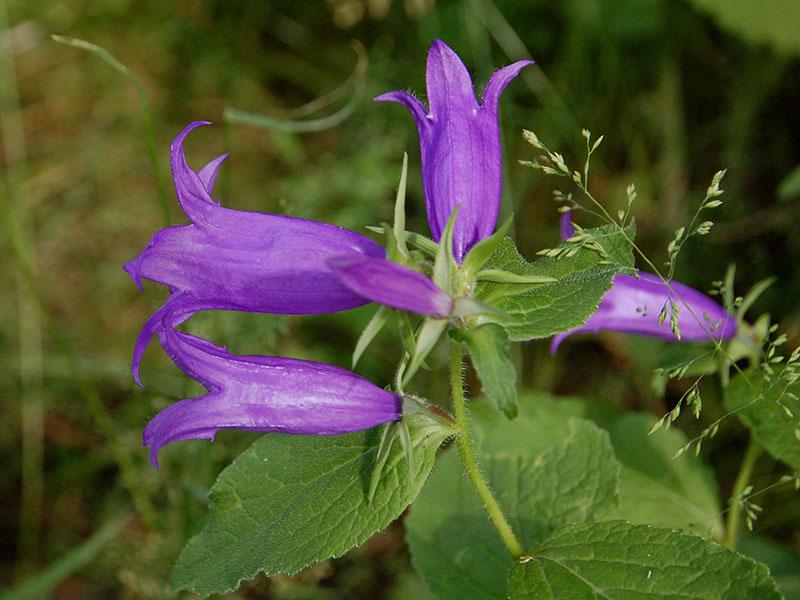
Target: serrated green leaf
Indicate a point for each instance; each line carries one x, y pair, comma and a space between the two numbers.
452, 542
542, 310
616, 560
289, 501
488, 348
771, 409
655, 489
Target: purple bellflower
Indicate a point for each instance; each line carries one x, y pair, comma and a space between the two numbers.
633, 305
262, 393
460, 146
238, 260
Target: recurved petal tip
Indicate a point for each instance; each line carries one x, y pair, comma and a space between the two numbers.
179, 139
414, 106
498, 82
133, 269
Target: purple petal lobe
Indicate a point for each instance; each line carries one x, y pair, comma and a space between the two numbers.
633, 305
386, 282
498, 82
208, 174
414, 106
265, 394
460, 147
448, 82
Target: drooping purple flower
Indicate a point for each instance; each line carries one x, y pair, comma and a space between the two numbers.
634, 304
391, 284
240, 260
261, 393
460, 146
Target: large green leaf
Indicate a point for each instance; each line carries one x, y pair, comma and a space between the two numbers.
616, 560
657, 489
544, 309
488, 349
771, 409
289, 501
771, 22
452, 542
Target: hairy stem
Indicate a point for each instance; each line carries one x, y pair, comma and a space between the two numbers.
734, 522
467, 454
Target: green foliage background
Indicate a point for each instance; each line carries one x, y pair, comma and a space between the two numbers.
679, 90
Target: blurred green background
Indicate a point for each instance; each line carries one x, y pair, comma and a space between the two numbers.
680, 89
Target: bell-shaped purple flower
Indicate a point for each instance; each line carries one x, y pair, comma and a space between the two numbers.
634, 305
392, 284
239, 260
261, 393
460, 146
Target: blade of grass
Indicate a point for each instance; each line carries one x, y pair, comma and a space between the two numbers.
147, 121
29, 322
358, 79
42, 583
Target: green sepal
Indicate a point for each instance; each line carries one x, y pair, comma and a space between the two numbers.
427, 245
372, 329
498, 276
400, 211
483, 250
384, 447
429, 333
445, 264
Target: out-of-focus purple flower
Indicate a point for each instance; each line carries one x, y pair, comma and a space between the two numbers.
460, 146
634, 304
261, 393
239, 260
391, 284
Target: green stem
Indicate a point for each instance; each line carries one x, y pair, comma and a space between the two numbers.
734, 522
467, 453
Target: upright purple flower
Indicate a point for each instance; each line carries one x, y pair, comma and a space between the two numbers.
239, 260
261, 393
460, 146
634, 304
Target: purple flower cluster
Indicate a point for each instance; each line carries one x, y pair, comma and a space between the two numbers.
246, 261
226, 259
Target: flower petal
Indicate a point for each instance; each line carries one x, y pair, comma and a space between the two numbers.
633, 305
498, 82
448, 82
459, 146
386, 282
266, 394
566, 228
414, 106
208, 174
